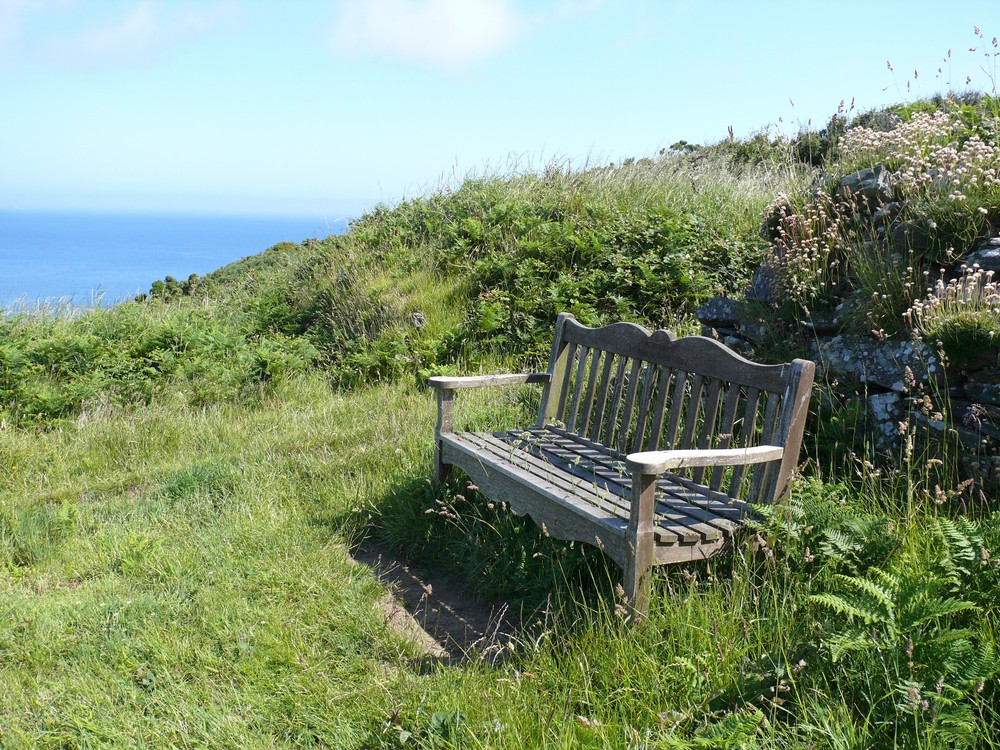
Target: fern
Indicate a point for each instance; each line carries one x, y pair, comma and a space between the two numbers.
936, 608
962, 543
874, 592
851, 608
850, 641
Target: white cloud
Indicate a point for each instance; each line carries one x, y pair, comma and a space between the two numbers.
14, 14
438, 33
89, 33
11, 12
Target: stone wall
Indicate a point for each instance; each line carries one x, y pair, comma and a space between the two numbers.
899, 379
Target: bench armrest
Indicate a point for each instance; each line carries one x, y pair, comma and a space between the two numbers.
451, 383
656, 462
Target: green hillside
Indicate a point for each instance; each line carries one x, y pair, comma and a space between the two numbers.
183, 476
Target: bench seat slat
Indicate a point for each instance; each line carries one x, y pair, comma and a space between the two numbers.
670, 513
600, 510
581, 497
708, 516
716, 508
676, 520
671, 526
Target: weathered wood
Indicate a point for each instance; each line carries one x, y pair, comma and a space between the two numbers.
614, 465
588, 402
558, 364
746, 433
656, 462
649, 376
446, 404
636, 434
626, 427
602, 395
577, 388
448, 382
708, 433
566, 381
792, 423
692, 412
639, 543
665, 379
527, 495
616, 403
676, 407
675, 514
726, 428
614, 498
715, 359
767, 435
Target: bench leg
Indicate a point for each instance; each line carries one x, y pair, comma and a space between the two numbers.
636, 579
639, 559
442, 471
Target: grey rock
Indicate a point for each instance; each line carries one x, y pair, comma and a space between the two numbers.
418, 320
887, 409
976, 416
720, 312
732, 341
875, 186
754, 332
984, 387
764, 287
769, 227
986, 255
825, 322
886, 214
971, 439
881, 363
908, 237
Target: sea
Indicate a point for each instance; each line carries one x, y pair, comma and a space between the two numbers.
88, 259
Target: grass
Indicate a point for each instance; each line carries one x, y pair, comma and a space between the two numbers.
181, 578
184, 579
182, 478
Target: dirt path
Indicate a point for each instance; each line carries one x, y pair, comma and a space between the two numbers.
435, 611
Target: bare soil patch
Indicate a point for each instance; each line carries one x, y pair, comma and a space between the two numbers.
435, 611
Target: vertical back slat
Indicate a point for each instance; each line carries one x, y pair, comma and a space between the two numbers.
708, 431
663, 383
691, 412
566, 379
574, 405
557, 365
676, 406
766, 436
649, 376
629, 407
588, 401
602, 396
746, 435
790, 426
726, 427
616, 402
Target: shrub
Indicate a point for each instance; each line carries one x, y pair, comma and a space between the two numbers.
962, 316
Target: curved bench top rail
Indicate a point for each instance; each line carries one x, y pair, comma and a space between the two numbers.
697, 354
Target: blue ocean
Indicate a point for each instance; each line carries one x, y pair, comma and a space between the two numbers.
101, 259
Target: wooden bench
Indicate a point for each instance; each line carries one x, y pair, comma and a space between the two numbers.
648, 446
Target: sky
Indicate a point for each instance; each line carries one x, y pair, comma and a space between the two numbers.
329, 107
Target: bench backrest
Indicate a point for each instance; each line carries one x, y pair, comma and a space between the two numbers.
633, 390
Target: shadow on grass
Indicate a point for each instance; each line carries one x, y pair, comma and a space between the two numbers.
435, 611
474, 577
